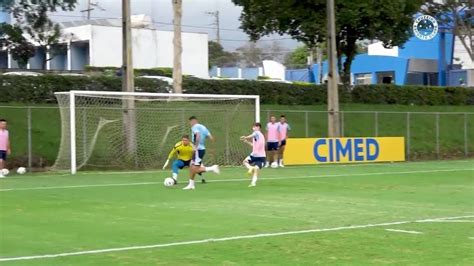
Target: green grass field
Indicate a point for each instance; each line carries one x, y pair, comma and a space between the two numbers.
46, 131
331, 214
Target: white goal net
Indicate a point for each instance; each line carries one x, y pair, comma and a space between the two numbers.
120, 130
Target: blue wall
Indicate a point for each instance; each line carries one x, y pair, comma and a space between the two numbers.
250, 73
4, 17
416, 48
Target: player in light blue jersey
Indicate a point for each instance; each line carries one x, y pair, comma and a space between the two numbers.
199, 134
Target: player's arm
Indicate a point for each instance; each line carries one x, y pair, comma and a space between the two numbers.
9, 149
170, 155
247, 139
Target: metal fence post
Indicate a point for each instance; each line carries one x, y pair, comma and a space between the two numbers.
342, 124
84, 133
466, 151
306, 123
408, 135
437, 135
30, 146
376, 117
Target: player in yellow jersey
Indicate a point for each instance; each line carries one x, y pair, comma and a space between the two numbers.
184, 153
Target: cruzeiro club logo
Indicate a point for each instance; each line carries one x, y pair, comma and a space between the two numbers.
425, 27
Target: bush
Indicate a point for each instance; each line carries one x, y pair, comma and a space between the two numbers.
270, 92
41, 89
417, 95
115, 71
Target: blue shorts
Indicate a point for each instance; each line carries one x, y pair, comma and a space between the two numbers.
3, 155
183, 164
198, 157
283, 143
272, 146
256, 161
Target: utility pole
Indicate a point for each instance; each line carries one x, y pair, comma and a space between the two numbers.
177, 46
90, 8
216, 23
129, 118
333, 80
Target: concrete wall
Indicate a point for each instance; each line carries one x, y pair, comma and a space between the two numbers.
150, 49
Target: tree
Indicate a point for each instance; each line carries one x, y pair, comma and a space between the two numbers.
274, 51
458, 15
305, 20
298, 58
250, 54
32, 27
219, 57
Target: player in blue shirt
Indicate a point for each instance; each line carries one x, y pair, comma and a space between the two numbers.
199, 134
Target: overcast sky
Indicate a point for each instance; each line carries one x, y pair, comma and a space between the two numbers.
194, 14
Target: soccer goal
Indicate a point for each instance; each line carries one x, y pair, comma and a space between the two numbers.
133, 130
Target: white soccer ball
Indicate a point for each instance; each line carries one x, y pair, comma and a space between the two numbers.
169, 182
21, 170
274, 165
5, 171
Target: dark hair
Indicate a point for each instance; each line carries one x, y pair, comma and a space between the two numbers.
3, 120
258, 125
192, 117
185, 137
282, 116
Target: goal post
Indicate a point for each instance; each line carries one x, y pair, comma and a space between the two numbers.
94, 131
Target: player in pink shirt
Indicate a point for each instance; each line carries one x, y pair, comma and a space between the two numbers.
284, 127
4, 144
256, 160
273, 142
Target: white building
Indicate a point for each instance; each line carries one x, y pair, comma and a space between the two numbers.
98, 43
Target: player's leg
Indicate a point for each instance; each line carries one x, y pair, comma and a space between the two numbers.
258, 164
201, 155
177, 165
195, 163
269, 154
197, 168
281, 152
247, 161
3, 157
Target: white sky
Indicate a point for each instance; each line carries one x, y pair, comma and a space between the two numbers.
161, 11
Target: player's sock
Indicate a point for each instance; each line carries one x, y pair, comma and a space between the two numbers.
281, 163
190, 185
175, 178
254, 178
214, 168
267, 164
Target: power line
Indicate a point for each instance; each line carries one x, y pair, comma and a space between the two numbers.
154, 22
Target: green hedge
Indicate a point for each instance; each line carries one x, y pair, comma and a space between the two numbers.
417, 95
41, 90
113, 71
270, 92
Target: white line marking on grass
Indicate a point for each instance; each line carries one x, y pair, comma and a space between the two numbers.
240, 179
471, 238
212, 240
403, 231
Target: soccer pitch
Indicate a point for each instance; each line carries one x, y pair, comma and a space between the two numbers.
399, 213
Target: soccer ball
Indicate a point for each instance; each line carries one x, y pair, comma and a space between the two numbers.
5, 171
21, 170
274, 165
169, 182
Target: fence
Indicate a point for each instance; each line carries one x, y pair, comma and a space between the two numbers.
428, 135
36, 131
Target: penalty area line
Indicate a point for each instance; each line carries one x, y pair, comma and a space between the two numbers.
223, 239
240, 179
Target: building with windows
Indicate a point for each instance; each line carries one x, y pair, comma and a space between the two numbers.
98, 43
418, 62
